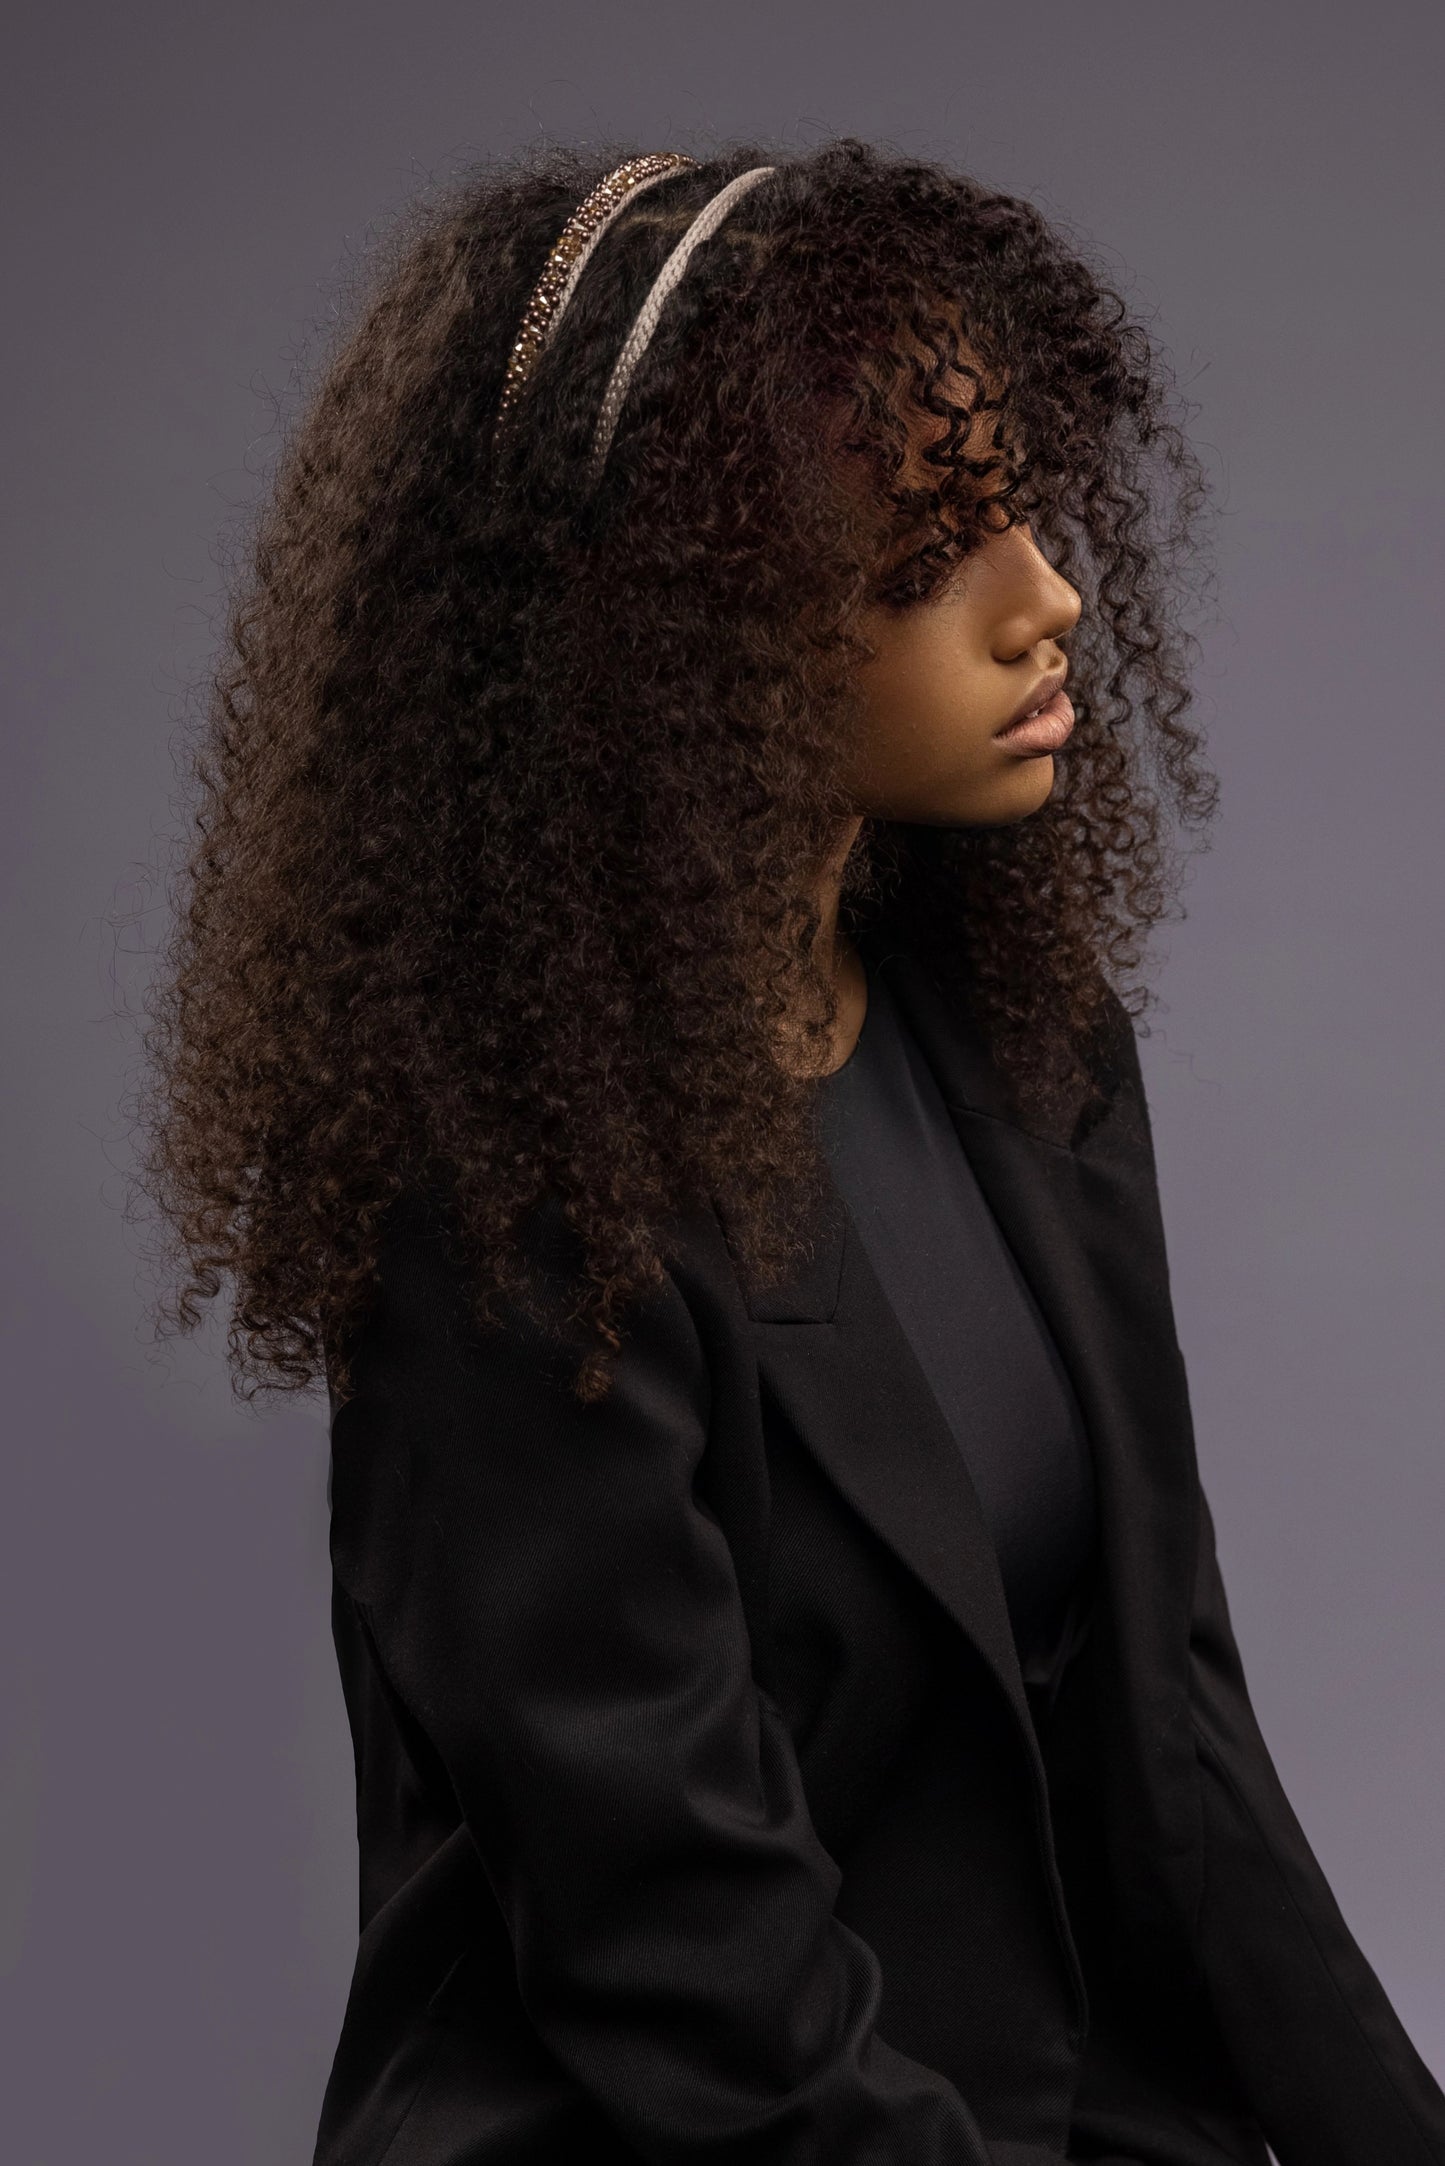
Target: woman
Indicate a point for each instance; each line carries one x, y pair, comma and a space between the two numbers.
644, 1023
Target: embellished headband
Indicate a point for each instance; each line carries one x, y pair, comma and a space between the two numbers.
563, 269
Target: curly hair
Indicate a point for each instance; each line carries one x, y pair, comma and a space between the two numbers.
505, 797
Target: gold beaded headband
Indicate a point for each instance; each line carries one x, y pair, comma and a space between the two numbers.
569, 252
564, 265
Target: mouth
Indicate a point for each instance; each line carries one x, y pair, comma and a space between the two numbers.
1042, 727
1042, 695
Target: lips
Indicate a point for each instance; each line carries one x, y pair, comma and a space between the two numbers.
1041, 695
1045, 729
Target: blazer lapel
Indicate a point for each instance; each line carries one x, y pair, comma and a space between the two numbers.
1082, 1219
832, 1354
835, 1357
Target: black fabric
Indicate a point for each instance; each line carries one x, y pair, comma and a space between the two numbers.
972, 1322
702, 1812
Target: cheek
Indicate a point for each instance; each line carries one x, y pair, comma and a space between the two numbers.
924, 704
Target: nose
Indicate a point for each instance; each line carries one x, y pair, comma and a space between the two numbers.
1035, 602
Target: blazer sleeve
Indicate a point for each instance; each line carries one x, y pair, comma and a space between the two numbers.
1332, 2073
560, 1613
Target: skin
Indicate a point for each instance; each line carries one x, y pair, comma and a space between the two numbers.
946, 675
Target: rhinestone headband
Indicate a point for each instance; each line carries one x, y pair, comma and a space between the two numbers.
574, 244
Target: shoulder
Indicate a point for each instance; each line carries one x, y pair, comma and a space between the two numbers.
1115, 1053
455, 1428
428, 1333
1117, 1103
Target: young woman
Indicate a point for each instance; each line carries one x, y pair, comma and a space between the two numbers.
687, 784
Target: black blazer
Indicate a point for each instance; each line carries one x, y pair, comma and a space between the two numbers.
703, 1812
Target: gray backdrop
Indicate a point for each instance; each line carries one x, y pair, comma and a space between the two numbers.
177, 1909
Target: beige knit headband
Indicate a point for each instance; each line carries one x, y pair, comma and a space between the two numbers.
563, 268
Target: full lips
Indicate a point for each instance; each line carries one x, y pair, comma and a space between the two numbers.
1045, 731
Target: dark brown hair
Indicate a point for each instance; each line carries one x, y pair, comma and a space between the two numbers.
506, 797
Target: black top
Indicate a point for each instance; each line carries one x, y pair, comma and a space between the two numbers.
971, 1320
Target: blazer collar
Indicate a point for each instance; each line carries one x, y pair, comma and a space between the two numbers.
1082, 1218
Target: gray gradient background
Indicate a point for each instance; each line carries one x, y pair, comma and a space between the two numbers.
177, 1906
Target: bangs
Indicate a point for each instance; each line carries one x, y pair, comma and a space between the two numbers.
948, 451
934, 526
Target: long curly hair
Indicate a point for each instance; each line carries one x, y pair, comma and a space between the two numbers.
508, 798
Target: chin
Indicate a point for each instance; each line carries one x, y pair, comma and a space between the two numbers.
1024, 788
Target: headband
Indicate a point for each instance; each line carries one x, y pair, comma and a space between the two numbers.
564, 265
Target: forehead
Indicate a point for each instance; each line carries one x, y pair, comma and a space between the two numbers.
961, 444
957, 420
938, 377
962, 450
